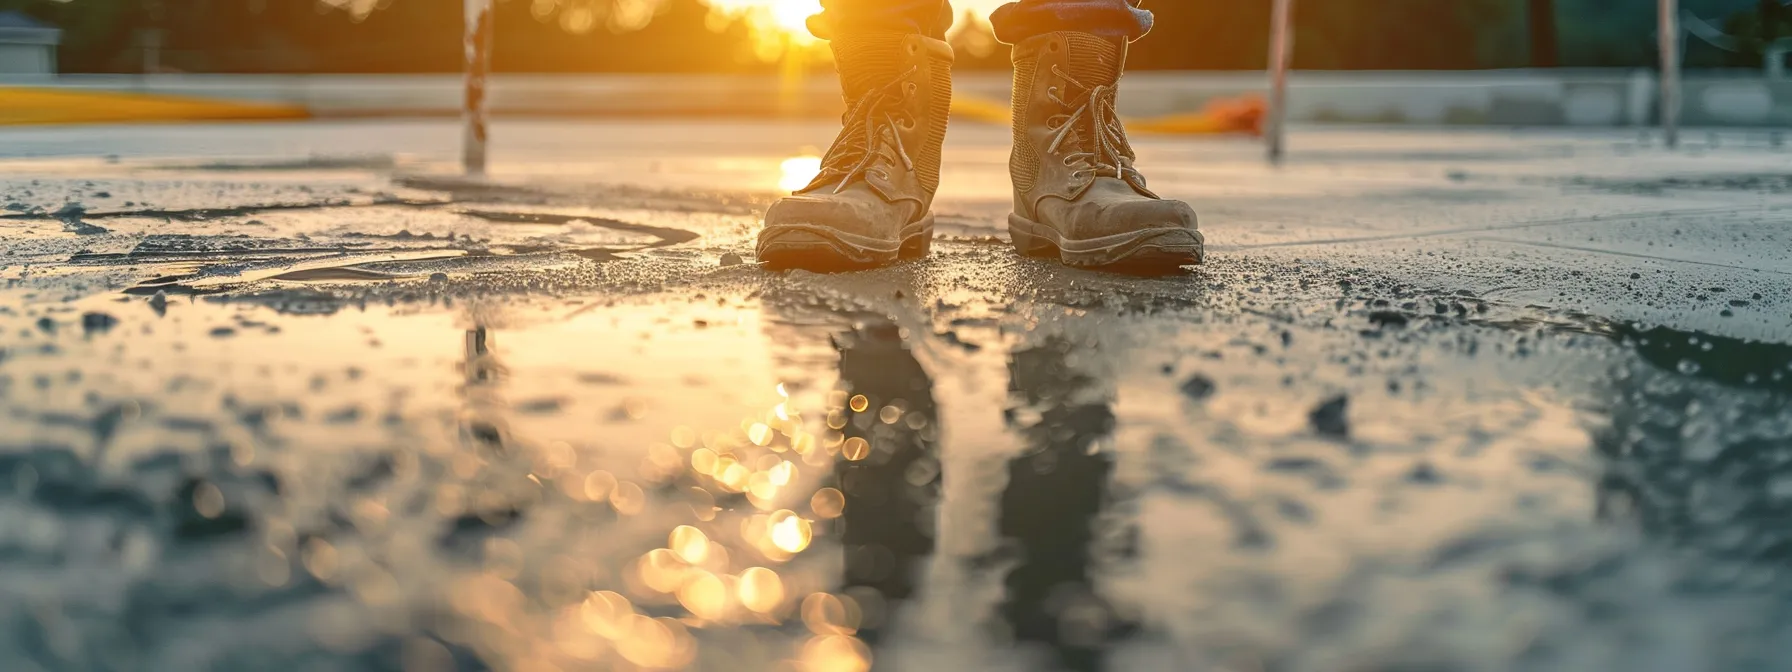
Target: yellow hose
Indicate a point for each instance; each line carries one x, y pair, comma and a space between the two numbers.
1240, 115
27, 105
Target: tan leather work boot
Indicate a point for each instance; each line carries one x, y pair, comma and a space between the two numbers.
1077, 196
871, 204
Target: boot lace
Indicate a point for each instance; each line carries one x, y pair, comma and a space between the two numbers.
1105, 151
870, 122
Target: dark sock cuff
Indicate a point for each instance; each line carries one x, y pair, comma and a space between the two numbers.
1014, 24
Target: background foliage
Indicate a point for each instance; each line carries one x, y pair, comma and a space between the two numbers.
685, 36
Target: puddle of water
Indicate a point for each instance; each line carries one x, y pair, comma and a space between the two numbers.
824, 480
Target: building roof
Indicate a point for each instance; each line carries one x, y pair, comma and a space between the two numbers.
10, 19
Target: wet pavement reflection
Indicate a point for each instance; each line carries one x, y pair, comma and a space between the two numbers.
1056, 491
524, 431
736, 482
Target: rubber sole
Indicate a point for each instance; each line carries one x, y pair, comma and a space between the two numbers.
818, 247
1154, 250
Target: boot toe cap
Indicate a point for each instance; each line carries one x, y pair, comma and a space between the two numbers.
1133, 215
857, 217
828, 231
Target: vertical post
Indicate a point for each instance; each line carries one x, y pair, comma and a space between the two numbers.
1281, 50
155, 14
1670, 72
152, 50
479, 61
1545, 50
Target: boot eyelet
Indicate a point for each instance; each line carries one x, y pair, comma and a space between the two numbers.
914, 48
911, 88
1054, 46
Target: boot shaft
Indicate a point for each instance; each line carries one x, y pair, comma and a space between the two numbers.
1055, 75
909, 78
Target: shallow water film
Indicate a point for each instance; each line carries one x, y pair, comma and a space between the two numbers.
351, 414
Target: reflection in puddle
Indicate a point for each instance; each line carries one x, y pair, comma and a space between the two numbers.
883, 414
1055, 492
760, 483
1729, 361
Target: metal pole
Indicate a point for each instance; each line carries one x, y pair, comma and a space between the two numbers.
1670, 72
1281, 49
479, 62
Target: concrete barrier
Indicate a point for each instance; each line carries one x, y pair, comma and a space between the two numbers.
1498, 97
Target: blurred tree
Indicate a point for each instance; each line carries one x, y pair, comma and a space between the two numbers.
684, 36
542, 36
93, 32
1541, 19
1756, 30
352, 36
1406, 34
1205, 36
1336, 35
1621, 33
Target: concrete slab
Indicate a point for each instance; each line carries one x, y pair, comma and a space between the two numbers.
291, 395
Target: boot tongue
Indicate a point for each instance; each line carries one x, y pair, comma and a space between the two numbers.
868, 61
1093, 60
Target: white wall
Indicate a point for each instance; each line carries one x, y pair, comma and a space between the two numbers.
27, 59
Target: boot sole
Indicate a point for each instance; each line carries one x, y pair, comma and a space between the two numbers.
817, 247
1155, 250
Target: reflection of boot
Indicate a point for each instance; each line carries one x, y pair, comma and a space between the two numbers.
870, 204
1055, 494
892, 486
1076, 194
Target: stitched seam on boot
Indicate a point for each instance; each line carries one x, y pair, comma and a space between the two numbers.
1024, 169
939, 115
1092, 59
866, 62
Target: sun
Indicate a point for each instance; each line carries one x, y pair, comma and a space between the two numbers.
777, 25
780, 27
793, 15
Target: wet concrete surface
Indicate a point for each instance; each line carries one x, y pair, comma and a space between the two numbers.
298, 397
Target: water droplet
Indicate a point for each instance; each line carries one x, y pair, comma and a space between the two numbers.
759, 434
761, 589
790, 532
836, 653
208, 500
598, 485
705, 596
826, 614
827, 503
856, 449
689, 543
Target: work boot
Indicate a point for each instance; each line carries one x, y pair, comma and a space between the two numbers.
871, 203
1077, 196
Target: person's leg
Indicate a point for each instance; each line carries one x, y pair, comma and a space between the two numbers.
872, 202
1017, 21
1077, 196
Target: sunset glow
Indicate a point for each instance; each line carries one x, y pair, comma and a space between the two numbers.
779, 25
